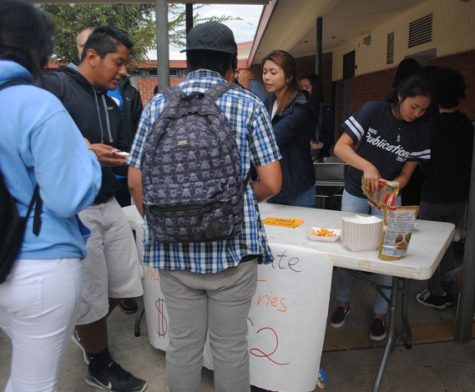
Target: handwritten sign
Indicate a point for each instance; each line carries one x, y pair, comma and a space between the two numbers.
286, 323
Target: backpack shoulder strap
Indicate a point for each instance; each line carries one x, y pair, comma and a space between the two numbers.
219, 89
172, 102
35, 199
173, 97
38, 203
14, 82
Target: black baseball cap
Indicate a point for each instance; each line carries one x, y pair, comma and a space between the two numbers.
212, 36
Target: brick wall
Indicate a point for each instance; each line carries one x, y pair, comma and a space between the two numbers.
146, 87
376, 85
370, 87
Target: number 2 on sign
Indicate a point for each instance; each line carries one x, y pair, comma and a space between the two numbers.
259, 353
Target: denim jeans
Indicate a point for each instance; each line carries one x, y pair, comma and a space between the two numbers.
360, 205
304, 199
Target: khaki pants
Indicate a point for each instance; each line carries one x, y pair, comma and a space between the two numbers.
214, 304
111, 267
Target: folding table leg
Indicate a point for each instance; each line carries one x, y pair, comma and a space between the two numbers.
390, 343
406, 327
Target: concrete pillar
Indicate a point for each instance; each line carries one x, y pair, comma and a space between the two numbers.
189, 17
319, 47
163, 55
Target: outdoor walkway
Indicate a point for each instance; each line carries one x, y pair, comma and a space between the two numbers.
351, 361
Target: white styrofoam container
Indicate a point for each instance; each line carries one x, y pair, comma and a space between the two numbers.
361, 232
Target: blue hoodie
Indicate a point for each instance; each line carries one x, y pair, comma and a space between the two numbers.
40, 144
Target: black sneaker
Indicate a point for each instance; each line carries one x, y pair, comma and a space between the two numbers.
439, 302
339, 316
449, 300
378, 330
114, 378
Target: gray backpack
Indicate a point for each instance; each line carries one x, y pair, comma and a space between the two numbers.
191, 171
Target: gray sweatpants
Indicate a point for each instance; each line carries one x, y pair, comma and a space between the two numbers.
214, 304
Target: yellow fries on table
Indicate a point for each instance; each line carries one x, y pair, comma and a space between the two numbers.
323, 232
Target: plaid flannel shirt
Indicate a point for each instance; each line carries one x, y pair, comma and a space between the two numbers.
255, 138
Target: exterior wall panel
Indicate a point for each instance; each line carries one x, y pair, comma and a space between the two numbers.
453, 31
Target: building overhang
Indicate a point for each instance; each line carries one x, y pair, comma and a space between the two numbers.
291, 24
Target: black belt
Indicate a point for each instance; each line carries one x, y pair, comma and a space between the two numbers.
248, 258
102, 200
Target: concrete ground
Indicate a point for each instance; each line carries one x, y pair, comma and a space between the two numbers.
435, 363
350, 359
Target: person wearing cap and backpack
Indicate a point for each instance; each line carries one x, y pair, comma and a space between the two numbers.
208, 275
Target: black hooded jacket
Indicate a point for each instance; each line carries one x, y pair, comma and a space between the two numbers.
293, 131
95, 114
132, 109
447, 174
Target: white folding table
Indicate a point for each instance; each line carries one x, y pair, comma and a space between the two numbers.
427, 247
429, 243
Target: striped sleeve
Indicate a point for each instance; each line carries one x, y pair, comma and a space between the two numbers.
421, 150
357, 124
354, 128
423, 155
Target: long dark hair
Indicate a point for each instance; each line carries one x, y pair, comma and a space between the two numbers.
25, 35
285, 60
413, 86
406, 68
317, 96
